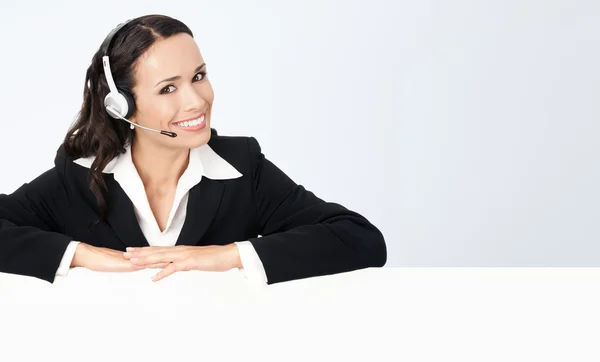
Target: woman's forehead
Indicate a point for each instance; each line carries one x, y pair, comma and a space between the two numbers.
177, 55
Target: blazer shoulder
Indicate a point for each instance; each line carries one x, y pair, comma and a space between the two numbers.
47, 185
233, 143
240, 151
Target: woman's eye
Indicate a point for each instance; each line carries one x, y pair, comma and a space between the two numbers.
198, 77
201, 74
164, 90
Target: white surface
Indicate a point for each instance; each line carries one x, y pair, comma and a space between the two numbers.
471, 125
387, 314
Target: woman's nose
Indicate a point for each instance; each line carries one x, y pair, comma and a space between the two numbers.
192, 100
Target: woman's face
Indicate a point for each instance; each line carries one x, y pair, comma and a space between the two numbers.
173, 93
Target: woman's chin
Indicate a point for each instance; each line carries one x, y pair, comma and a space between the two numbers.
193, 139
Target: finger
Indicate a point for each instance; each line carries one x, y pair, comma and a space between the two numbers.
149, 250
156, 258
151, 266
135, 252
165, 272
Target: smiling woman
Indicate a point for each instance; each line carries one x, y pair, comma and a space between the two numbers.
142, 181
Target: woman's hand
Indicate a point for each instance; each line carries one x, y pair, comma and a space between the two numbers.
106, 260
183, 258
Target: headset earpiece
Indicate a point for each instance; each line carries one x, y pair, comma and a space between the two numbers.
121, 102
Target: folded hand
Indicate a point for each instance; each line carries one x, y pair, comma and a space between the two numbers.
183, 258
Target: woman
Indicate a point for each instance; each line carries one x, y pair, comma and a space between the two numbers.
142, 181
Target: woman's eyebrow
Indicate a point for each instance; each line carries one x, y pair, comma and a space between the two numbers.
199, 68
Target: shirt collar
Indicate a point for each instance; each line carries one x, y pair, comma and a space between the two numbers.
204, 161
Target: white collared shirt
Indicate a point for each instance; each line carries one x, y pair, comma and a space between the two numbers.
203, 162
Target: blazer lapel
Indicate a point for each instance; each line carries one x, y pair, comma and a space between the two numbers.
204, 171
121, 217
203, 203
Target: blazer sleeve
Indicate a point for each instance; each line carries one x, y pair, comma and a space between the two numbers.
31, 242
303, 236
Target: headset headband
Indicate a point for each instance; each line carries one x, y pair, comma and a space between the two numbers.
109, 38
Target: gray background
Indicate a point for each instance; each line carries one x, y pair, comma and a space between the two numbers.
466, 130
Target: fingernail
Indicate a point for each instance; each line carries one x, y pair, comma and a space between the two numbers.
126, 254
129, 249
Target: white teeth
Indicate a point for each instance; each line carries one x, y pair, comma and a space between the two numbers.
191, 123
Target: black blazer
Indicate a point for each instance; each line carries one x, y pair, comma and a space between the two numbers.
301, 235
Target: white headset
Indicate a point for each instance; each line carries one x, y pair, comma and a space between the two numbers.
116, 100
118, 103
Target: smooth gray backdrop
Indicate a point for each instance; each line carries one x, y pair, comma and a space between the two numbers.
466, 130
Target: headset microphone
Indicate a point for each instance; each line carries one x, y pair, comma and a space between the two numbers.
119, 103
113, 112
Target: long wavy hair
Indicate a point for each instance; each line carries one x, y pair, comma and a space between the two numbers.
94, 132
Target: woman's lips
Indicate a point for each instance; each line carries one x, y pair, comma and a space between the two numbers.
195, 126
